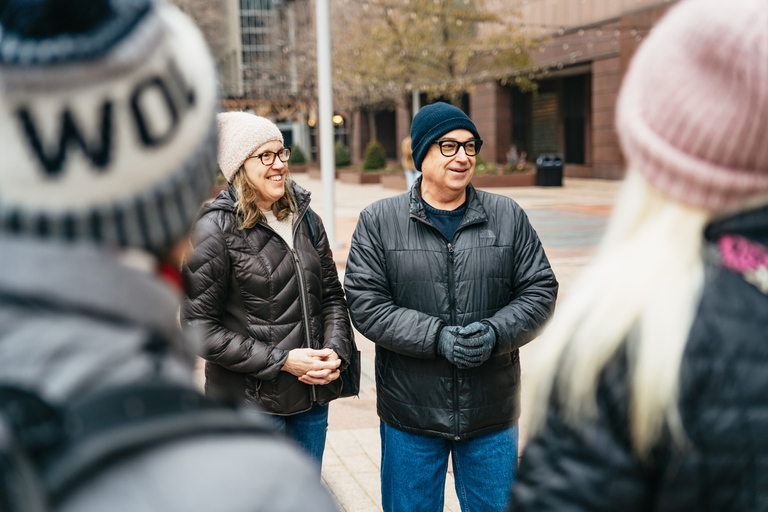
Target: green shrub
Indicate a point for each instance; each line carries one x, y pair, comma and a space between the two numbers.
483, 167
297, 155
343, 157
375, 158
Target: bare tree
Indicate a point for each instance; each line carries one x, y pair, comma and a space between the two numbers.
385, 48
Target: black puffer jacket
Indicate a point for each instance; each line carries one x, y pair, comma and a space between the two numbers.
244, 292
405, 282
723, 405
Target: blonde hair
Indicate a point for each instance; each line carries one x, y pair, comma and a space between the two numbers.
246, 208
642, 289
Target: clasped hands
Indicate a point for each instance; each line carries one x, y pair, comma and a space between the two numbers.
467, 347
313, 366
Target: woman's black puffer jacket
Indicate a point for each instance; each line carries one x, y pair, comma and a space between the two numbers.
723, 404
253, 300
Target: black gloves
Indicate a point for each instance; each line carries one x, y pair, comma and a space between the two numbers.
467, 347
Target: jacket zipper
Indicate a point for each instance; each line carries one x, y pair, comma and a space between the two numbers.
303, 296
452, 305
302, 290
305, 308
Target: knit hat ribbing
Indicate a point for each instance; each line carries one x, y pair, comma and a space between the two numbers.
434, 121
107, 120
692, 109
240, 134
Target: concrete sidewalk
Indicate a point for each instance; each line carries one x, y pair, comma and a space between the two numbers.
569, 220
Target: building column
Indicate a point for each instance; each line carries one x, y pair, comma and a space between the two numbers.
491, 110
403, 128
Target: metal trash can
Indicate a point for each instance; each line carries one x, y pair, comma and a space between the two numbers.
549, 171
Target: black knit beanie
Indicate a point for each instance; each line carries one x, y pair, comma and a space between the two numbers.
434, 121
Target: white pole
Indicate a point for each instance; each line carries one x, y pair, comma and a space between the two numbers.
415, 101
325, 118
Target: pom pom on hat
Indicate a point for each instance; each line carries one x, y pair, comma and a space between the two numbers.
692, 108
240, 134
107, 117
434, 121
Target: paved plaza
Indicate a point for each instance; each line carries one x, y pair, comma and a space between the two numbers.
569, 221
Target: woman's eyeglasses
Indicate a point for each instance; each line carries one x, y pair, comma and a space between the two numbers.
451, 147
268, 157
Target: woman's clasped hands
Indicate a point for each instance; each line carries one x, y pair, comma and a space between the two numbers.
313, 366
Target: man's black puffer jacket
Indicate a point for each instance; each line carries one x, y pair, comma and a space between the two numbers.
723, 403
251, 306
405, 282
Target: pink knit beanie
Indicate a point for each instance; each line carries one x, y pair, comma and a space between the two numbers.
241, 134
692, 114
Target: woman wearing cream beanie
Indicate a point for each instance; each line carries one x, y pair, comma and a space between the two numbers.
262, 288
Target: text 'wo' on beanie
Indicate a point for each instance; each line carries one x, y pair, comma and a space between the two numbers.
240, 134
432, 122
107, 122
692, 110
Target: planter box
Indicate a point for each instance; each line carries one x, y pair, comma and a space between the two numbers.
525, 179
297, 168
394, 181
315, 173
358, 178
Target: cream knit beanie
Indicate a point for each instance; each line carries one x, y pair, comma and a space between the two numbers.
693, 108
240, 134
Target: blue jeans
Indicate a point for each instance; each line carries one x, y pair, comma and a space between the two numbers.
308, 429
413, 469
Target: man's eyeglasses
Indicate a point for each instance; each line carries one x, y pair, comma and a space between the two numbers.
268, 157
451, 147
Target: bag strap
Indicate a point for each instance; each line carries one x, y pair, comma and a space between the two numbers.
69, 445
309, 220
110, 426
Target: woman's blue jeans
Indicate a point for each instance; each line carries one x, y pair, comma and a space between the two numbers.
308, 429
413, 469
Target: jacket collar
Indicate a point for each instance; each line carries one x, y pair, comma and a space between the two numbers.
752, 224
475, 211
227, 198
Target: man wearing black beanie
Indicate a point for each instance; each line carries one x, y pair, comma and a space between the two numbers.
449, 282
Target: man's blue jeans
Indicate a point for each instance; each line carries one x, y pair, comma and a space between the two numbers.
308, 429
413, 469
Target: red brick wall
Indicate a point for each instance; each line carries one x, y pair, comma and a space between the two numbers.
491, 109
607, 161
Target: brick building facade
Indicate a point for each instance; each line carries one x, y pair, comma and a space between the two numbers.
580, 64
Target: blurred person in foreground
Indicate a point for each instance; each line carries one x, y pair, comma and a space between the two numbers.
263, 289
652, 392
108, 149
449, 282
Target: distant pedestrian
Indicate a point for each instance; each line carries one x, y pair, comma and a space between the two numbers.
449, 282
652, 395
411, 174
107, 123
263, 290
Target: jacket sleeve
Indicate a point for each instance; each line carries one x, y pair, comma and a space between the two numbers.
371, 305
534, 292
586, 466
337, 329
207, 278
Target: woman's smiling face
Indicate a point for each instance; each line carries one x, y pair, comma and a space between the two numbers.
268, 180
